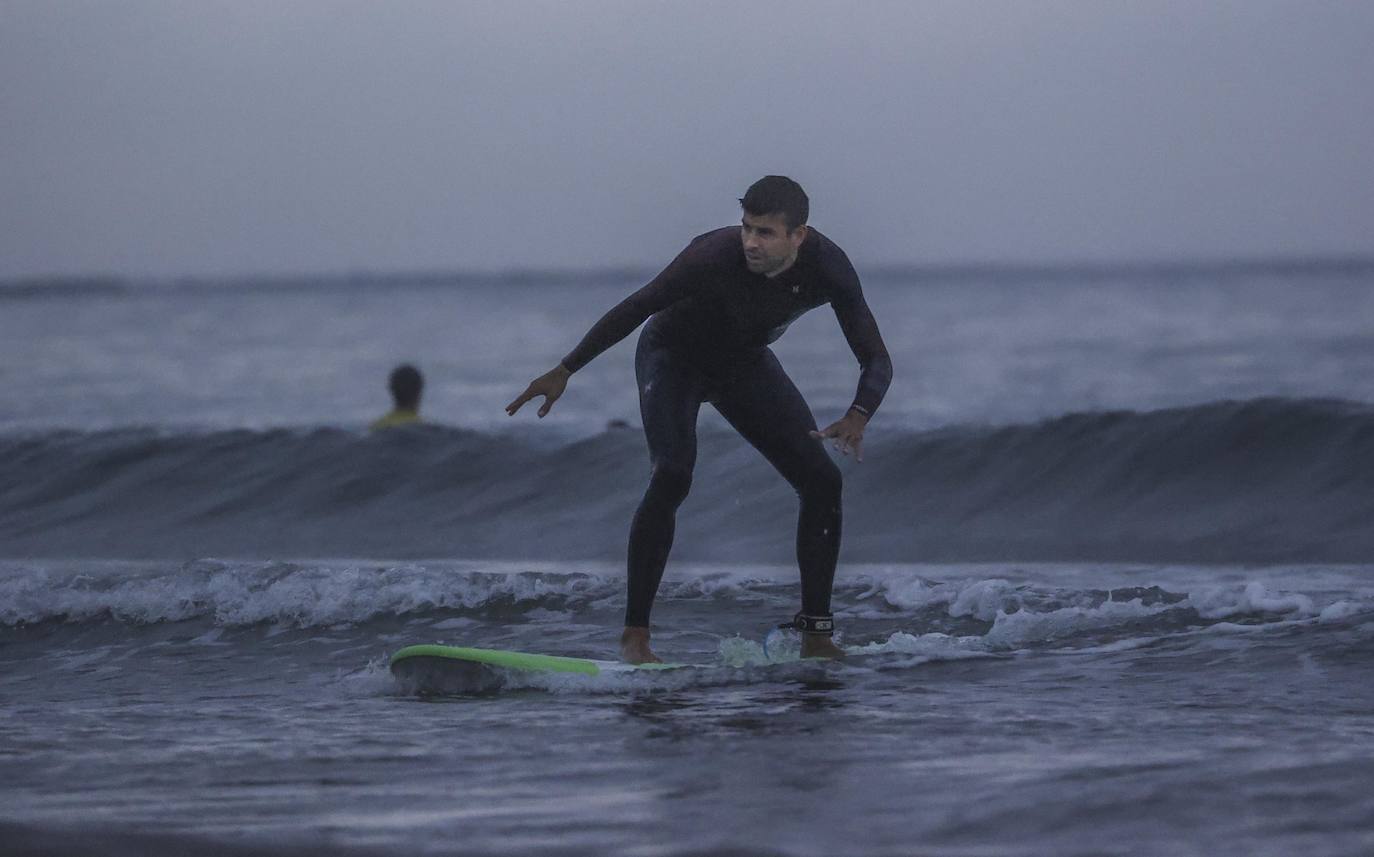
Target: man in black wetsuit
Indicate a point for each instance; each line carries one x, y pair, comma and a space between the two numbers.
712, 314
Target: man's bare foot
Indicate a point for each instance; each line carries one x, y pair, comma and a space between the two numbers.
820, 646
634, 647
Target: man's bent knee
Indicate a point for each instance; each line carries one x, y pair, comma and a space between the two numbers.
669, 483
823, 481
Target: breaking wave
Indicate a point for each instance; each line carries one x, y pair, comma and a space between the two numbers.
1269, 480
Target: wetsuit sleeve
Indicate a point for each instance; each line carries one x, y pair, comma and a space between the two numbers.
861, 332
673, 284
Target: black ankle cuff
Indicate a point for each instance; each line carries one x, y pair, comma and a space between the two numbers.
820, 624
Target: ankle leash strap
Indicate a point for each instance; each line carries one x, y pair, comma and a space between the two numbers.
822, 624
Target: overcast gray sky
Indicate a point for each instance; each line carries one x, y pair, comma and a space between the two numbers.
187, 137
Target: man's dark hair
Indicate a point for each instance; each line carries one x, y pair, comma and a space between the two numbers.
405, 385
777, 195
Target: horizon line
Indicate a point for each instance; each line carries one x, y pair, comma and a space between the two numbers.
1001, 269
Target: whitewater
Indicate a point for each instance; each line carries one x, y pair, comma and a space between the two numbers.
1107, 575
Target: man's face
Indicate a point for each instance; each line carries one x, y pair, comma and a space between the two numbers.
768, 247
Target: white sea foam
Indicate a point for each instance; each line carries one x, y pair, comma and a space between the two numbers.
325, 594
929, 647
741, 652
1013, 630
238, 594
374, 679
980, 599
1342, 610
1221, 602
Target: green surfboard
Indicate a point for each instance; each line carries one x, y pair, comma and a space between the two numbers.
457, 669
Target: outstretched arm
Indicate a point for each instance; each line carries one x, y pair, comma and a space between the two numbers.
671, 285
614, 326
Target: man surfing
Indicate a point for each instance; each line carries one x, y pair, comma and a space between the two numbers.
712, 314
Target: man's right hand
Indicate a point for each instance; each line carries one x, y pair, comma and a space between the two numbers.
550, 385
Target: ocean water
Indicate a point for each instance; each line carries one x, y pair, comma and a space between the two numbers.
1107, 580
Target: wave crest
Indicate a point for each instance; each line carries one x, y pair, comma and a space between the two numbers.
1270, 480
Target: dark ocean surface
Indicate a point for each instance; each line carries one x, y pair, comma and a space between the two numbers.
1264, 480
1107, 578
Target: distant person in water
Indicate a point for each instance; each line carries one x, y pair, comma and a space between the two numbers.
711, 315
406, 385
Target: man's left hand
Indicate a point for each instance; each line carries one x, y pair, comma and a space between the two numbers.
847, 432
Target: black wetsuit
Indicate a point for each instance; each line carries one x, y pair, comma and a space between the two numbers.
708, 341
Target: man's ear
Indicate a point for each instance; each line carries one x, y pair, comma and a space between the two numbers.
798, 235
